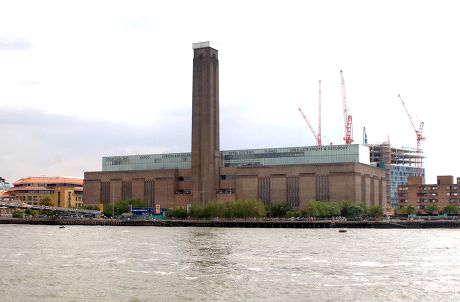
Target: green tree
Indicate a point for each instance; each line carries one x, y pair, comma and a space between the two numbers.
375, 211
431, 209
46, 201
293, 213
450, 209
408, 210
233, 209
278, 209
323, 209
244, 209
353, 210
123, 206
90, 207
18, 214
179, 213
31, 212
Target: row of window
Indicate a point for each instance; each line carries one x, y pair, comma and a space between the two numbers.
69, 185
35, 192
222, 177
428, 200
254, 157
405, 194
36, 198
221, 191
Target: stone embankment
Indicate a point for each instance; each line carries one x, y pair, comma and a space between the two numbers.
383, 224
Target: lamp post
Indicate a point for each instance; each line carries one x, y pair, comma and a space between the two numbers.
113, 203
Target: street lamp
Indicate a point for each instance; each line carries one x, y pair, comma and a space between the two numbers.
113, 203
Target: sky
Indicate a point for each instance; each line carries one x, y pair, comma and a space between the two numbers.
80, 80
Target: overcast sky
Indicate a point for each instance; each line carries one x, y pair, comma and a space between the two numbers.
84, 79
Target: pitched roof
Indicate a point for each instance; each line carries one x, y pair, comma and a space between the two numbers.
49, 180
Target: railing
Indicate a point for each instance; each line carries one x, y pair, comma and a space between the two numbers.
22, 205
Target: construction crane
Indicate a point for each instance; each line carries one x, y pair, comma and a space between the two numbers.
317, 136
318, 139
347, 119
364, 136
419, 136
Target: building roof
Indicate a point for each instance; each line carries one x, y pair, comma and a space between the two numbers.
49, 180
7, 194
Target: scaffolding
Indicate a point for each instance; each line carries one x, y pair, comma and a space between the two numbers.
384, 156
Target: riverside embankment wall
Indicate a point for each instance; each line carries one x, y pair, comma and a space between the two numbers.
386, 224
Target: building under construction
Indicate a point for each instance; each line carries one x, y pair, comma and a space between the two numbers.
398, 163
295, 175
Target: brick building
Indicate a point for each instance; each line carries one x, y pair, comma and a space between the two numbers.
420, 195
64, 192
294, 175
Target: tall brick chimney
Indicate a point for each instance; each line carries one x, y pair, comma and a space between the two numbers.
205, 124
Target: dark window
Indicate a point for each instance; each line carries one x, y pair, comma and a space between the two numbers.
264, 189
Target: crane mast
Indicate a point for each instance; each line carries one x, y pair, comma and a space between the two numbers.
347, 118
318, 138
364, 136
419, 136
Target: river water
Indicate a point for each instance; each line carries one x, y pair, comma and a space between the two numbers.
102, 263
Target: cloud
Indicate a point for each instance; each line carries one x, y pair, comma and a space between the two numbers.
140, 24
28, 83
8, 42
36, 143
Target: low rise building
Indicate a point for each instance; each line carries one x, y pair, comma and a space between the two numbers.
294, 175
419, 195
64, 192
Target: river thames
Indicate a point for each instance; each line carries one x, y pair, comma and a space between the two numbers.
102, 263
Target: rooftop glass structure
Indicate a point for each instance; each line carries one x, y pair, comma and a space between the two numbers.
331, 154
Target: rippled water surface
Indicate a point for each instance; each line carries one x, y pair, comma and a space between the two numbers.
101, 263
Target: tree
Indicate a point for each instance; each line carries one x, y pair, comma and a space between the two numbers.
90, 207
321, 209
311, 210
123, 206
450, 209
18, 214
278, 209
431, 209
233, 209
352, 210
244, 209
375, 211
46, 201
180, 212
408, 210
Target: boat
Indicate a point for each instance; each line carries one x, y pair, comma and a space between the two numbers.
342, 231
62, 227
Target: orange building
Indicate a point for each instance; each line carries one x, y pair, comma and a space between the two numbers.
420, 195
64, 192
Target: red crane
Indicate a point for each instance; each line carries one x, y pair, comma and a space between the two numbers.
318, 139
420, 138
317, 136
347, 119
